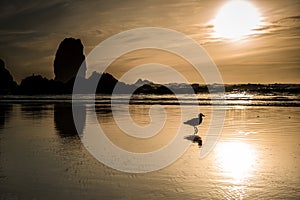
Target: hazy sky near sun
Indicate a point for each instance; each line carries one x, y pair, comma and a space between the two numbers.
31, 30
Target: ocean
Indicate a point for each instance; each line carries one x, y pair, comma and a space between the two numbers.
256, 155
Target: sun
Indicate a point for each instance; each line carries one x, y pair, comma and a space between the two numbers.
235, 20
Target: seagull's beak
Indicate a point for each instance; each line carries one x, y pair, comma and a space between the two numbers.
203, 115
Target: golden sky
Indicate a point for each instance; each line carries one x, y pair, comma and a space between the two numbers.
30, 32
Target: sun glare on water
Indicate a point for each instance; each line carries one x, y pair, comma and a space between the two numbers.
235, 159
235, 20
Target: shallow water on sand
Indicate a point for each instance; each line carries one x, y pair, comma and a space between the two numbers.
42, 157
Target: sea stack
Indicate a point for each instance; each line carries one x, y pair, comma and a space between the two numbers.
68, 59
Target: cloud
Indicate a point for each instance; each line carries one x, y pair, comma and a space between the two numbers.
23, 15
288, 19
285, 26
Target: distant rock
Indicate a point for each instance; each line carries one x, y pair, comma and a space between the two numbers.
7, 83
68, 59
141, 82
106, 82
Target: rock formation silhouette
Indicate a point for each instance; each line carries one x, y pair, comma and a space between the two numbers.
7, 83
68, 59
36, 84
107, 83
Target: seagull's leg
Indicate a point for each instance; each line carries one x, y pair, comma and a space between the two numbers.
196, 130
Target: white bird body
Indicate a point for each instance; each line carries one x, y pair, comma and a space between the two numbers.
195, 122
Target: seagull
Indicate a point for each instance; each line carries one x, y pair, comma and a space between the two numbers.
195, 122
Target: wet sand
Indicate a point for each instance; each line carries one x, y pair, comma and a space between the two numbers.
257, 156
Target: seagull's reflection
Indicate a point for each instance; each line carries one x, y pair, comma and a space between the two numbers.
194, 138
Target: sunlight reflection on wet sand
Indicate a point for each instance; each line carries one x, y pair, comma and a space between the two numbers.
235, 159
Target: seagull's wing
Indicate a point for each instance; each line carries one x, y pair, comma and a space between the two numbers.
192, 122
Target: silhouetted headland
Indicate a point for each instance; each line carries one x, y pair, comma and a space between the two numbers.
7, 83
